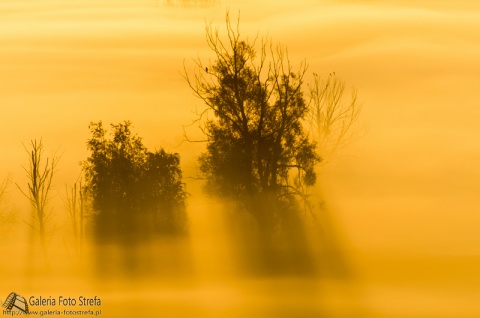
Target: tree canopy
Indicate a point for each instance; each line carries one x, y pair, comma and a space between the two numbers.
134, 192
256, 141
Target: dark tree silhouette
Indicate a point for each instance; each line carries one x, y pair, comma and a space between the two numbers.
135, 194
258, 152
256, 141
40, 174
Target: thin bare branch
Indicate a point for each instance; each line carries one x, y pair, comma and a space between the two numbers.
40, 176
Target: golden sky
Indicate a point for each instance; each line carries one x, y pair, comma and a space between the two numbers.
406, 189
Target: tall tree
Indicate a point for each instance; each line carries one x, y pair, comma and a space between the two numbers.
134, 193
40, 172
333, 115
257, 146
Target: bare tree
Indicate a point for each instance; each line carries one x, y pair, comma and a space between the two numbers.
6, 212
333, 116
75, 203
40, 175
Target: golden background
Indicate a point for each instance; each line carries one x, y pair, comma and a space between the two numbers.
403, 198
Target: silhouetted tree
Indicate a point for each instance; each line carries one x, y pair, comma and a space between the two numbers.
258, 152
76, 208
40, 176
134, 193
257, 145
333, 116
